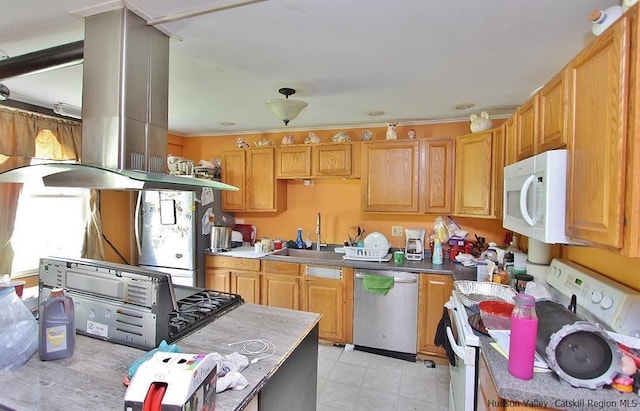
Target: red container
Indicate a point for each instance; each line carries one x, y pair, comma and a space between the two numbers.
496, 314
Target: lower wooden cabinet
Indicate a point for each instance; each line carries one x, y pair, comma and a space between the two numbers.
333, 298
234, 275
434, 292
281, 284
488, 397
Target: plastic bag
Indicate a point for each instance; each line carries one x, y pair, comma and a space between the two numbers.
19, 336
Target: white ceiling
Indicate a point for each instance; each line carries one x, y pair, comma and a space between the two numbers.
412, 59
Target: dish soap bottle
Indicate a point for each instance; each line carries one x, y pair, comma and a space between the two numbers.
436, 258
299, 242
524, 334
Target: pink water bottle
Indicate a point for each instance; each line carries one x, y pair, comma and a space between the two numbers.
524, 330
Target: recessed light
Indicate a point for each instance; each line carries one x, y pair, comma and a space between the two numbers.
463, 106
227, 123
375, 113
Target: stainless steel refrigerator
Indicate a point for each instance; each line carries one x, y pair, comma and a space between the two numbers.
172, 231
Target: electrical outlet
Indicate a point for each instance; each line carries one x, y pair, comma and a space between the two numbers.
239, 220
396, 230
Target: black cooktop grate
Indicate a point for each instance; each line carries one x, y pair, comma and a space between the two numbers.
199, 309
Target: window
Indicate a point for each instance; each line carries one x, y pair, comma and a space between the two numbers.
49, 222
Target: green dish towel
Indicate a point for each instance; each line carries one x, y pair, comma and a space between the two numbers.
377, 284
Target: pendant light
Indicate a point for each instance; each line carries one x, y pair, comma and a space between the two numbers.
284, 108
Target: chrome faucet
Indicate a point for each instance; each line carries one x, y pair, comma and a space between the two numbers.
318, 232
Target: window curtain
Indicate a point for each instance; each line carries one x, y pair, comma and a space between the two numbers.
23, 136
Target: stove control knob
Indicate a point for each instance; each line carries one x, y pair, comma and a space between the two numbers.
607, 302
596, 297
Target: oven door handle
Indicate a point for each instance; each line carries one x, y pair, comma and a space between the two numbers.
452, 342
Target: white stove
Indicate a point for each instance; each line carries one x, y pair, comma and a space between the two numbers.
599, 299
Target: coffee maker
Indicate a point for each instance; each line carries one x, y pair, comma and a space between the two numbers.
414, 249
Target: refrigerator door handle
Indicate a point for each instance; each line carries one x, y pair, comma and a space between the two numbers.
136, 224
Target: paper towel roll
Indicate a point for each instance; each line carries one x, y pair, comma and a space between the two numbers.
539, 273
539, 252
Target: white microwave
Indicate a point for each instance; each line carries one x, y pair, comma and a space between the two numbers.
535, 197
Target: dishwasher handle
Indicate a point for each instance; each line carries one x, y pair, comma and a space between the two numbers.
409, 280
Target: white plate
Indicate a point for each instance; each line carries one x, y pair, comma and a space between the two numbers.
376, 240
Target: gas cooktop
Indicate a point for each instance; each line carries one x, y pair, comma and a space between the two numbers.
131, 305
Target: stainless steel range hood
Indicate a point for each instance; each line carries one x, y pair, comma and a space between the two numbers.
125, 92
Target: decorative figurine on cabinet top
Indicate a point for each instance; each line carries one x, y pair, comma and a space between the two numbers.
241, 143
481, 123
392, 131
312, 139
341, 137
366, 135
411, 134
288, 139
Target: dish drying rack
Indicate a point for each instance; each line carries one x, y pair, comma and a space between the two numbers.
366, 254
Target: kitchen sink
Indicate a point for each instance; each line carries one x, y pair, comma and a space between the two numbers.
296, 254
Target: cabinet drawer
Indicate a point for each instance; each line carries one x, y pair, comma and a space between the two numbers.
247, 264
277, 267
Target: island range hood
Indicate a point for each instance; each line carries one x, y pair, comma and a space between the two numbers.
125, 91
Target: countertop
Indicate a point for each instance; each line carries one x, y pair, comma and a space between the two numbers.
458, 271
546, 389
93, 376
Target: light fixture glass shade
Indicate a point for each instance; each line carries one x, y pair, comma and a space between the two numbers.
286, 109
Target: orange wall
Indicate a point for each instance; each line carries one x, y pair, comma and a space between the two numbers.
339, 203
338, 200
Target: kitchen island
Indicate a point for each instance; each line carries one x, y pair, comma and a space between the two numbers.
93, 376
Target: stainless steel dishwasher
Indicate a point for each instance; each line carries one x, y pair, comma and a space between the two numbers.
387, 324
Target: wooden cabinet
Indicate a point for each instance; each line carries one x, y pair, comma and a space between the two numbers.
478, 174
597, 138
510, 134
408, 176
293, 161
527, 129
434, 292
333, 298
234, 173
391, 176
281, 284
332, 160
553, 115
234, 275
439, 166
253, 171
316, 161
488, 397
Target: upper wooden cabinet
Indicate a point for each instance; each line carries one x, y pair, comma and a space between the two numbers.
391, 176
510, 134
478, 174
293, 161
553, 113
316, 161
408, 176
253, 171
439, 165
331, 160
527, 129
597, 137
540, 124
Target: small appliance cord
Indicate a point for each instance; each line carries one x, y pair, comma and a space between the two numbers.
256, 346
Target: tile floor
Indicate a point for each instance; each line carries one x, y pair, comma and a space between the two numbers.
356, 380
